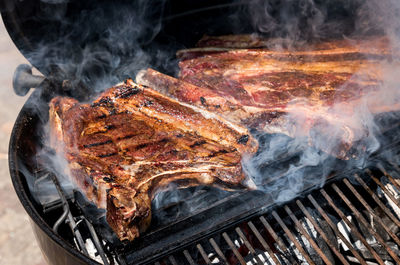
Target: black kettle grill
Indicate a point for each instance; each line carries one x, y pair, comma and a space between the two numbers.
78, 45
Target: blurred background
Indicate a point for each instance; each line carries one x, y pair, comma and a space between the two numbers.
17, 242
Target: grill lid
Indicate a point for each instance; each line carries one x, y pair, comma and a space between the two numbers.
103, 42
68, 37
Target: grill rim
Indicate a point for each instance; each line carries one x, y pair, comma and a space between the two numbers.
23, 120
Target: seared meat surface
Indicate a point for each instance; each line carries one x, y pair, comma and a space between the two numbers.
133, 141
269, 78
216, 44
256, 86
203, 97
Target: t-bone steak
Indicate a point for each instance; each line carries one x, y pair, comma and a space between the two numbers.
133, 141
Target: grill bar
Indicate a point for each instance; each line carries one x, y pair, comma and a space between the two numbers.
385, 190
249, 246
293, 238
188, 257
302, 230
371, 211
378, 201
278, 240
218, 250
203, 254
172, 260
233, 248
335, 229
389, 176
352, 227
307, 230
365, 223
263, 243
96, 241
323, 235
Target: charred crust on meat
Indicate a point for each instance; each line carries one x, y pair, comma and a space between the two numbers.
126, 137
104, 102
101, 116
126, 91
112, 112
108, 179
219, 152
148, 103
107, 155
174, 152
198, 143
97, 144
243, 139
140, 146
203, 101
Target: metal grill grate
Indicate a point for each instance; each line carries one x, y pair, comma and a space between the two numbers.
354, 220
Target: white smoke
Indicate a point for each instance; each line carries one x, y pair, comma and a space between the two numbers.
284, 166
347, 129
99, 45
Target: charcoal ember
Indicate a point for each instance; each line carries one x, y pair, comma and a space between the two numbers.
312, 232
369, 237
395, 193
318, 239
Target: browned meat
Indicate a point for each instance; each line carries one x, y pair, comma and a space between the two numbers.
305, 81
263, 78
204, 97
132, 142
255, 87
217, 44
210, 99
234, 41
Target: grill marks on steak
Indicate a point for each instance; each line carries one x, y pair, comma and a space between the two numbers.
133, 141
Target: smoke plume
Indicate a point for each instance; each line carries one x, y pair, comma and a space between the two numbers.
347, 129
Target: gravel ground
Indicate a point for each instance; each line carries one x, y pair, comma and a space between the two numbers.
17, 242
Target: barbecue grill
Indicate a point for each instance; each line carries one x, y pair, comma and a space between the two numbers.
353, 219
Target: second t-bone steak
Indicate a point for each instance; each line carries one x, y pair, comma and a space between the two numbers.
303, 91
133, 141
